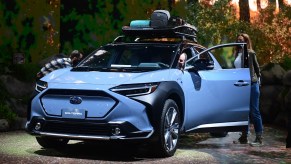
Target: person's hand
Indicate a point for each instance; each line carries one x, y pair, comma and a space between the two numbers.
39, 75
259, 81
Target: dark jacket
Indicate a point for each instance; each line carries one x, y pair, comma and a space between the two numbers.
254, 66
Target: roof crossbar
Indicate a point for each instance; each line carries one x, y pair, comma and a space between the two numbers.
185, 30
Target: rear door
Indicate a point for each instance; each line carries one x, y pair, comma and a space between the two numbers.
217, 94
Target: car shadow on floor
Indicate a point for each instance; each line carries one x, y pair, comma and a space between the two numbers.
106, 151
128, 152
92, 150
100, 151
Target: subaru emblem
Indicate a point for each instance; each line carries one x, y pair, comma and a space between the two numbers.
75, 100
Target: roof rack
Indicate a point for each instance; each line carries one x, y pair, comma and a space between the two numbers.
185, 31
161, 24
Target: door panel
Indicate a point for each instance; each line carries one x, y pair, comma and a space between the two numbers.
223, 97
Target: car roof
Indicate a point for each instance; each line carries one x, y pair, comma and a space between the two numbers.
155, 41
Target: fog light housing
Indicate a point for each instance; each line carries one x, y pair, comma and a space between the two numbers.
37, 126
116, 131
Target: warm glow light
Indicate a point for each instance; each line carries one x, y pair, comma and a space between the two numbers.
264, 3
211, 2
253, 10
235, 4
277, 7
287, 2
253, 5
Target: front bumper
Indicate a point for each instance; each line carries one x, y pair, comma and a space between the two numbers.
84, 130
105, 115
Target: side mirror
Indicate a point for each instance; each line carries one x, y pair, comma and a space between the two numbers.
210, 65
203, 64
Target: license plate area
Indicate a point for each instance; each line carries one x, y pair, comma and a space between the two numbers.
73, 113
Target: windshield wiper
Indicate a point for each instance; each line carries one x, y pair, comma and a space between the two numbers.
131, 69
80, 68
87, 68
140, 68
163, 65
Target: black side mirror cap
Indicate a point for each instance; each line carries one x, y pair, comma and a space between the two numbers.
203, 64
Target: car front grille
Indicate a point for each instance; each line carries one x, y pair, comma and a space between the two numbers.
95, 104
77, 128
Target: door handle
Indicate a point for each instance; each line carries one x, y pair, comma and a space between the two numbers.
241, 83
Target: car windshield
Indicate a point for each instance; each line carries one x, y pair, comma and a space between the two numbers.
129, 58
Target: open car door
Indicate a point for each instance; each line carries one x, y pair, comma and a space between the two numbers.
219, 95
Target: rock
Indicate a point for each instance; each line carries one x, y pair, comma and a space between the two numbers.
285, 107
15, 87
7, 70
270, 104
18, 124
272, 74
287, 99
18, 106
4, 125
287, 78
281, 119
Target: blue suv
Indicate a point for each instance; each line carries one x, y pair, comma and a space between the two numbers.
132, 89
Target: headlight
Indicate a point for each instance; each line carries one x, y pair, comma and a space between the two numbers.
40, 85
135, 89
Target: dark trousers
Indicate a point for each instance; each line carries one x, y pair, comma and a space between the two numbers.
288, 139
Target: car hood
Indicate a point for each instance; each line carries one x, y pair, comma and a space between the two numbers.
65, 76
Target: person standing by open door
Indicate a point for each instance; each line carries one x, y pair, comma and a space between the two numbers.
255, 115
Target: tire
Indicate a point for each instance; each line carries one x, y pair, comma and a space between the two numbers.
169, 130
49, 142
219, 134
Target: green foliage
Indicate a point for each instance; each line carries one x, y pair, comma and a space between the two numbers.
86, 29
270, 33
100, 22
273, 34
286, 64
214, 23
23, 26
25, 72
7, 113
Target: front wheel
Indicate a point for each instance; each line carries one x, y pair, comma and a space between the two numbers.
169, 129
50, 142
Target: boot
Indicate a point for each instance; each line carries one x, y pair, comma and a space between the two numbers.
288, 140
258, 141
243, 139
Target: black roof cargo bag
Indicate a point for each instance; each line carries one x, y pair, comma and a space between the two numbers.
160, 18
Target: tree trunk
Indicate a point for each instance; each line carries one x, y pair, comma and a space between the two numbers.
244, 10
259, 5
281, 4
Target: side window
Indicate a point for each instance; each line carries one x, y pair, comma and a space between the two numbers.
189, 53
224, 56
231, 57
205, 55
228, 56
203, 60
